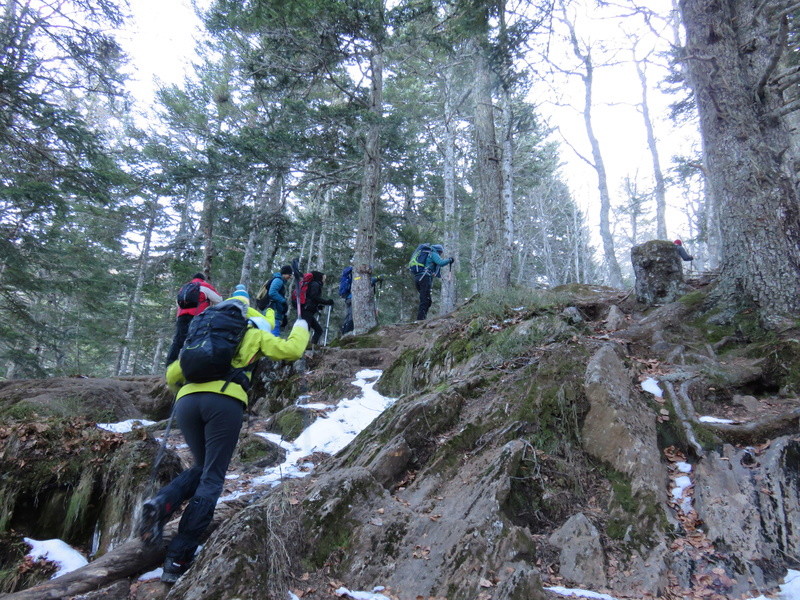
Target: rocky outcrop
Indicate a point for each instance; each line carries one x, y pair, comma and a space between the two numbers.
658, 271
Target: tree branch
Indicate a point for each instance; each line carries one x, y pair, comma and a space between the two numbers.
780, 43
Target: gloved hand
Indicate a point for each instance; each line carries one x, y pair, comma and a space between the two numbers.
301, 323
452, 260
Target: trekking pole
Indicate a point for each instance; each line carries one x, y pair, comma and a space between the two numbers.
163, 448
327, 322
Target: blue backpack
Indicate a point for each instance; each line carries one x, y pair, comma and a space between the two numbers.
417, 263
345, 282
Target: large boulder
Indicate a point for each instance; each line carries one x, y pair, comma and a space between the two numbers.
658, 271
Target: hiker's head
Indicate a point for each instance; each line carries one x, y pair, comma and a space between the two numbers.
199, 276
240, 293
318, 276
678, 243
438, 248
286, 272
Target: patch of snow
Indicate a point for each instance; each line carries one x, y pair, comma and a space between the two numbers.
789, 590
343, 591
155, 574
578, 592
682, 483
651, 385
125, 426
329, 435
315, 406
232, 476
684, 467
518, 308
57, 551
715, 420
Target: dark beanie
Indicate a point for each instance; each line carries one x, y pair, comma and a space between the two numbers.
286, 270
199, 276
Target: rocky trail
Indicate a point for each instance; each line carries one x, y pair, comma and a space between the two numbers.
585, 442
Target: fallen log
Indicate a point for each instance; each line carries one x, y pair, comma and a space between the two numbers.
128, 559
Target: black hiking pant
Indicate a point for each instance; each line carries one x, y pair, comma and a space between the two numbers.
181, 329
424, 284
210, 423
313, 324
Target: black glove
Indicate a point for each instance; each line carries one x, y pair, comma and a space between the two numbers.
452, 260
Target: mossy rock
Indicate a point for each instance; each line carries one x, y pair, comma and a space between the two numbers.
291, 421
65, 478
259, 452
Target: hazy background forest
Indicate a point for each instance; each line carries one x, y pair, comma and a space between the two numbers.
339, 132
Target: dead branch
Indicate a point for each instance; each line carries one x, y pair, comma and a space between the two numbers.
126, 560
757, 431
784, 110
780, 44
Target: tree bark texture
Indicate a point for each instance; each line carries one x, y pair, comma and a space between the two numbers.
732, 49
450, 217
364, 317
493, 272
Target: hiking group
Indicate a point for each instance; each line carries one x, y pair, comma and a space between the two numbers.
216, 346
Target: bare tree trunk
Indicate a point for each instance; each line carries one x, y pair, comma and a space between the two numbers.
136, 299
494, 270
609, 253
209, 250
364, 317
659, 192
273, 209
451, 232
747, 142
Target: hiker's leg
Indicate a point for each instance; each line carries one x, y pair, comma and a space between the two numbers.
276, 330
181, 329
222, 419
424, 284
314, 325
347, 324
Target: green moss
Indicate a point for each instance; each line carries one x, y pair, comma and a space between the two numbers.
637, 516
400, 378
251, 450
693, 299
291, 424
336, 540
77, 515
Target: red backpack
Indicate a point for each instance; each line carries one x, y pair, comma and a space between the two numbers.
303, 287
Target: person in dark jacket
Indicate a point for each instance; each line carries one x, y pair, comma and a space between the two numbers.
209, 415
424, 280
682, 251
314, 301
275, 298
208, 297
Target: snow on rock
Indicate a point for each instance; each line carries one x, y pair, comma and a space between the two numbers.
56, 551
651, 385
125, 426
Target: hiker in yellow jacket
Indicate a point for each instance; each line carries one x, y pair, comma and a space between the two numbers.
209, 415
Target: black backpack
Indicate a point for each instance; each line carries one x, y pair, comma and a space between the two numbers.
189, 295
211, 343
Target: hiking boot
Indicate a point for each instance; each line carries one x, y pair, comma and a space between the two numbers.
173, 569
151, 525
